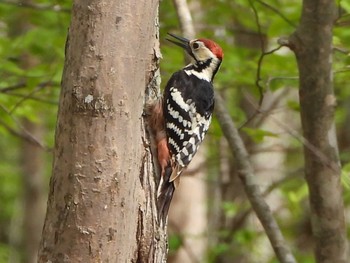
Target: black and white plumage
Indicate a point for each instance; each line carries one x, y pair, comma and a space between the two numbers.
188, 104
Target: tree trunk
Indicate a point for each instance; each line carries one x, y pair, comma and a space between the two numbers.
312, 44
32, 156
101, 205
33, 192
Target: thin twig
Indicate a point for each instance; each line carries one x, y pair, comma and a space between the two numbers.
344, 51
270, 79
257, 21
13, 87
259, 110
277, 11
264, 112
308, 145
34, 98
260, 88
252, 190
258, 71
263, 53
341, 71
257, 81
24, 134
252, 117
240, 218
29, 95
8, 91
24, 84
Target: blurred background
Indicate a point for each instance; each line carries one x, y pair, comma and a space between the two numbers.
216, 224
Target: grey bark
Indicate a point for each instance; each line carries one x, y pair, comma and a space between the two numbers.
101, 205
312, 45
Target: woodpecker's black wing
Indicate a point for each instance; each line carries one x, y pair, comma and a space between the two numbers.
188, 103
188, 107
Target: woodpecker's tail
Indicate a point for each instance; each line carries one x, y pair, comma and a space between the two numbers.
165, 193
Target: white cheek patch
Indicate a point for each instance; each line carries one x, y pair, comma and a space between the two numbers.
203, 54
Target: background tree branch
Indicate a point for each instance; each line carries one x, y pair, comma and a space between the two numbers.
252, 190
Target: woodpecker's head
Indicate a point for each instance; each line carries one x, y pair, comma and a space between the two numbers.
200, 50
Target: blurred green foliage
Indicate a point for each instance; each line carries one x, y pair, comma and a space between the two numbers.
32, 93
227, 21
26, 91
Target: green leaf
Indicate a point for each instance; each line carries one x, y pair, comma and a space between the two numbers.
230, 208
258, 135
345, 176
293, 105
175, 242
11, 67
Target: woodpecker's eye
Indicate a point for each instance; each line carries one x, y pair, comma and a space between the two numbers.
195, 45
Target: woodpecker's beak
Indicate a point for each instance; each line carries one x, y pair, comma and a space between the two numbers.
184, 42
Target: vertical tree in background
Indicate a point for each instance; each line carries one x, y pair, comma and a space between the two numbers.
312, 44
34, 195
32, 164
101, 204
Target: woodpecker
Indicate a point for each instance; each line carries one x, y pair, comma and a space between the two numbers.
182, 117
